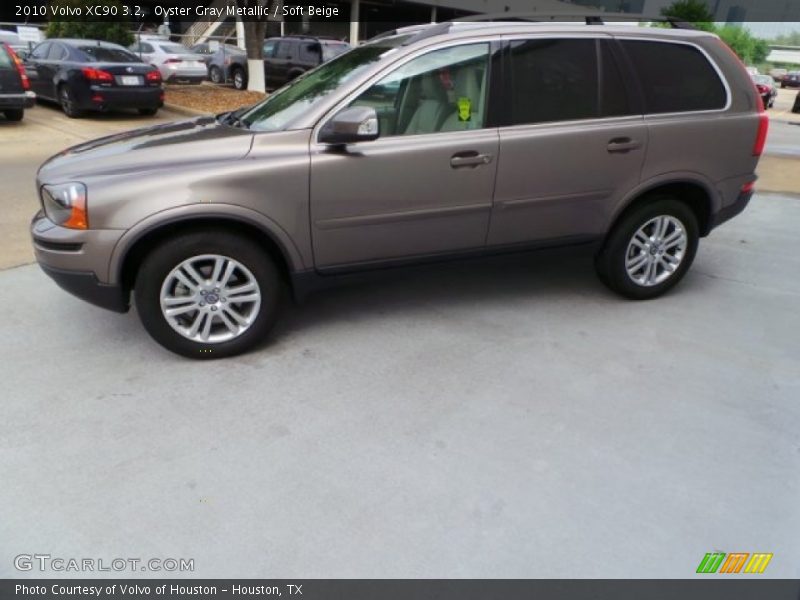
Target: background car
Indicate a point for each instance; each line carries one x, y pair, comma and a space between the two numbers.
204, 49
229, 63
90, 75
15, 89
288, 57
766, 89
791, 79
175, 62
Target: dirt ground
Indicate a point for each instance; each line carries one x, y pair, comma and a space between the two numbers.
209, 98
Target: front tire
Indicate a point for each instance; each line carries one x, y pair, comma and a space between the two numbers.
650, 249
208, 294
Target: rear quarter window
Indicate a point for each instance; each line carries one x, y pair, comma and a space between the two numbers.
5, 59
675, 77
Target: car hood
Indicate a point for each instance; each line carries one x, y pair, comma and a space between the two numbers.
160, 147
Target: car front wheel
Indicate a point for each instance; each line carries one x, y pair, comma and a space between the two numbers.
215, 74
239, 79
15, 114
208, 294
650, 249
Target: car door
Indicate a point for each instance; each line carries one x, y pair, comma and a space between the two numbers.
268, 53
38, 60
572, 140
424, 187
278, 65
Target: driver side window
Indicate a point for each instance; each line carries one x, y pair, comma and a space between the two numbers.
443, 90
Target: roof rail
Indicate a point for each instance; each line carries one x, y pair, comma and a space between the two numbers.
593, 18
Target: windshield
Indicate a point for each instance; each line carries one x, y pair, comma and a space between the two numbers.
100, 54
308, 90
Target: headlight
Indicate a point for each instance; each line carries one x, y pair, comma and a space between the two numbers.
65, 205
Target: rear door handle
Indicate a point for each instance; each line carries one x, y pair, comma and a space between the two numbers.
623, 144
469, 159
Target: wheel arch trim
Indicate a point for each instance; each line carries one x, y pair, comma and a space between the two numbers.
219, 213
664, 180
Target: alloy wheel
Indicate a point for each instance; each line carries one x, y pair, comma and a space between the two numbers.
656, 250
210, 298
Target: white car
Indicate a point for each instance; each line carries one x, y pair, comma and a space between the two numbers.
176, 62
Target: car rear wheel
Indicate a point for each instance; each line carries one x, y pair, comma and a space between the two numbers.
650, 249
215, 74
14, 114
239, 79
208, 294
67, 102
148, 112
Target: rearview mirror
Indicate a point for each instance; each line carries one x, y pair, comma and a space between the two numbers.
354, 124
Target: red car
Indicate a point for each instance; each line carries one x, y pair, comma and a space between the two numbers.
15, 94
766, 89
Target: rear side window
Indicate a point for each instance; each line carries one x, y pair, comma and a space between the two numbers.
5, 59
675, 77
101, 54
564, 80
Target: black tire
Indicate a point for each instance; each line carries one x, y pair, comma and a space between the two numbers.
239, 78
14, 114
67, 102
161, 261
215, 74
148, 112
610, 262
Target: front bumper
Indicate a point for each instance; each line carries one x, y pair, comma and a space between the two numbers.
17, 101
77, 260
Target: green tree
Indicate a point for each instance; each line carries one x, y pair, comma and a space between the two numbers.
691, 11
91, 28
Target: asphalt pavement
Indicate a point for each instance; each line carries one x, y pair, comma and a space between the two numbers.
501, 418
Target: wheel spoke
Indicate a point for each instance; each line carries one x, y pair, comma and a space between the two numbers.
192, 272
181, 276
178, 300
229, 269
637, 263
661, 227
219, 262
236, 316
198, 321
181, 310
232, 327
207, 328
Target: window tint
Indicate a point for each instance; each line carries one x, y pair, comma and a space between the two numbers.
283, 50
553, 80
57, 52
101, 54
174, 48
614, 100
675, 77
146, 48
5, 58
443, 90
311, 52
269, 49
41, 50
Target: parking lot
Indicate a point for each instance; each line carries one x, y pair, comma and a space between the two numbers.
502, 418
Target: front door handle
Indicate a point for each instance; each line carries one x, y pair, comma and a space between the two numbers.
469, 159
623, 144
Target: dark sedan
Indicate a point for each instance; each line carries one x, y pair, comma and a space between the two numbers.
88, 75
791, 79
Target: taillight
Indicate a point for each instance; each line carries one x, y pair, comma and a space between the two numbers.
761, 136
153, 77
93, 74
23, 75
762, 88
172, 61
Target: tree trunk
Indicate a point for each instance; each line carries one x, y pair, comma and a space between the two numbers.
254, 32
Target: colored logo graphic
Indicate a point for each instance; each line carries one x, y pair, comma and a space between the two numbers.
714, 562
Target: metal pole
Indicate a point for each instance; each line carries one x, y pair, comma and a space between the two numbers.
355, 6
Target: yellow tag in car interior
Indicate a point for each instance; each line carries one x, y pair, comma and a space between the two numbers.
464, 109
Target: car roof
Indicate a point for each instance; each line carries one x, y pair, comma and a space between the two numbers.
74, 42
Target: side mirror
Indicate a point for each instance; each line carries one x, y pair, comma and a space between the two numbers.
354, 124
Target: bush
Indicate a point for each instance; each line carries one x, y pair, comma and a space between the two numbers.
86, 28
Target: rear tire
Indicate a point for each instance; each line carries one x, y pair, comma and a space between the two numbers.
215, 75
239, 78
14, 114
148, 112
650, 249
195, 331
67, 102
